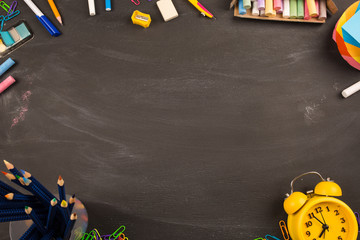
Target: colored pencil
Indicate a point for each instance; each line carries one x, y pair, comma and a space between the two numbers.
65, 209
37, 183
29, 232
12, 169
16, 196
70, 226
35, 219
49, 235
8, 188
61, 188
71, 203
55, 11
51, 214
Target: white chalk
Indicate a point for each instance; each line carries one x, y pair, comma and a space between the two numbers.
167, 9
351, 90
286, 9
255, 10
92, 11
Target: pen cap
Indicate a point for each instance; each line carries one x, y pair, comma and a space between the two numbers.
6, 65
49, 26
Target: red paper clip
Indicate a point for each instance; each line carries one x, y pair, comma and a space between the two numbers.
136, 2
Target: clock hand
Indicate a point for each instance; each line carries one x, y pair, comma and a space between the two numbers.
326, 226
322, 232
319, 220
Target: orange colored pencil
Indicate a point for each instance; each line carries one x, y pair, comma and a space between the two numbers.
55, 11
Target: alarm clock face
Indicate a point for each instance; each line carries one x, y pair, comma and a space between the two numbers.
329, 220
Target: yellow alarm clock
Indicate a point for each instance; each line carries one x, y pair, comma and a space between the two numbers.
318, 215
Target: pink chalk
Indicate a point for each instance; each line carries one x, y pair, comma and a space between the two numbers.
6, 83
306, 11
282, 7
317, 8
277, 5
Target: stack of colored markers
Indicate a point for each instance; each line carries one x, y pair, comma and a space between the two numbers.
52, 217
293, 9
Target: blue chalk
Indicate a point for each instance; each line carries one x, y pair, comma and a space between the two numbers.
6, 65
242, 10
7, 39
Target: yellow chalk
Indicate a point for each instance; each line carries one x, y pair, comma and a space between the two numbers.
312, 8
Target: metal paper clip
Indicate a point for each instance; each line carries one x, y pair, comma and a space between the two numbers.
357, 218
284, 230
269, 237
117, 233
136, 2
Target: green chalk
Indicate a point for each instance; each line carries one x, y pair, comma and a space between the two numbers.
300, 9
293, 9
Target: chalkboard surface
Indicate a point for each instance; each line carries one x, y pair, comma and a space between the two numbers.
190, 129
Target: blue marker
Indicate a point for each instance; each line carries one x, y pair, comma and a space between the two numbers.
43, 19
108, 5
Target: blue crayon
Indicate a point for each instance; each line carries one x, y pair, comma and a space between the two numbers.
27, 235
242, 10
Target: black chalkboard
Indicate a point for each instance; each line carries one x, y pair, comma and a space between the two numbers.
190, 129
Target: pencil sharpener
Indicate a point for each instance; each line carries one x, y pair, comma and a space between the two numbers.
141, 19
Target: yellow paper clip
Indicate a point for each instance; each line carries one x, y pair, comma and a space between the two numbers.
141, 19
284, 230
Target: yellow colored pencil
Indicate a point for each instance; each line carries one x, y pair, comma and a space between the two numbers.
55, 11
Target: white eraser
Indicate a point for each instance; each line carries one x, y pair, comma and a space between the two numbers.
351, 90
167, 9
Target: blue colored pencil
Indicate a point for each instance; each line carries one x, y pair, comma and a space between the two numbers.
70, 226
31, 230
8, 188
71, 203
18, 204
61, 187
49, 235
37, 183
18, 218
21, 197
51, 214
35, 219
12, 169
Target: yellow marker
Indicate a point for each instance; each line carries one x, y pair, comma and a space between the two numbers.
201, 8
55, 11
312, 8
141, 19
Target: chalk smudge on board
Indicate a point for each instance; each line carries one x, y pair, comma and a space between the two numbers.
23, 109
312, 111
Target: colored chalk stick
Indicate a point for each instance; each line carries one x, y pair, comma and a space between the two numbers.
300, 9
247, 4
306, 11
261, 4
6, 83
277, 5
255, 9
286, 9
322, 14
312, 7
293, 9
269, 7
242, 10
3, 68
